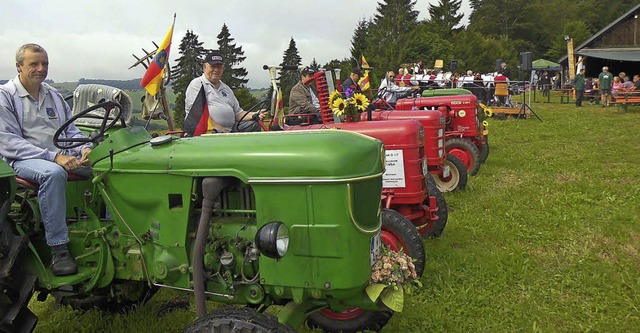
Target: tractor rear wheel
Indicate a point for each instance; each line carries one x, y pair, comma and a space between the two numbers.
458, 176
397, 232
435, 229
231, 319
16, 284
484, 150
466, 151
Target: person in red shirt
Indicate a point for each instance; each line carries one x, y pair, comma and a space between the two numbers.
500, 78
399, 80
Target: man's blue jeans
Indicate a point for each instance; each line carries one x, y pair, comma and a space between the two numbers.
52, 179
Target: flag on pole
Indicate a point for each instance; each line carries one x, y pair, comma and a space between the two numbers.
279, 108
152, 79
364, 80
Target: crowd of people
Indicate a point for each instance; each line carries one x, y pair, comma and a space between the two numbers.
606, 86
413, 78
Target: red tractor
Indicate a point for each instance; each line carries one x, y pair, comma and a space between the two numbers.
447, 167
406, 188
448, 171
466, 135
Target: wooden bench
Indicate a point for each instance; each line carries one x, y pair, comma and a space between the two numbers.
624, 101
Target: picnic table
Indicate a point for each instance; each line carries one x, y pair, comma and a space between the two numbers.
565, 94
623, 99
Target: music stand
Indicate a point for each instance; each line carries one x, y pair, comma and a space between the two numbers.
524, 106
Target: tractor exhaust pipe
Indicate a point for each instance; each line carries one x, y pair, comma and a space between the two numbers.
211, 188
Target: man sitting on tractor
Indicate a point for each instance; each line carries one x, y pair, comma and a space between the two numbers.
300, 97
352, 81
30, 113
390, 91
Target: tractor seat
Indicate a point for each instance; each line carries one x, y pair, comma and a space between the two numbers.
31, 185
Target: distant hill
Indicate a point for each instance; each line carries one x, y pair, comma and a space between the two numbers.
133, 84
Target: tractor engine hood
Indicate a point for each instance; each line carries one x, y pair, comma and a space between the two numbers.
319, 155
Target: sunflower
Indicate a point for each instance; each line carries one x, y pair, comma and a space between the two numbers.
333, 96
339, 106
361, 102
487, 111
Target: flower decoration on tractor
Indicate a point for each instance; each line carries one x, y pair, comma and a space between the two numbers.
350, 105
392, 275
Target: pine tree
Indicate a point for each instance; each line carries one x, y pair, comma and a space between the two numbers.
392, 31
314, 65
234, 77
289, 78
360, 39
189, 66
445, 18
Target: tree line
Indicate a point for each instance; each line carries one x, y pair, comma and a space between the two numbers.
496, 29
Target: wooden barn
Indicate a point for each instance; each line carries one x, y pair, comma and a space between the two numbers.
616, 46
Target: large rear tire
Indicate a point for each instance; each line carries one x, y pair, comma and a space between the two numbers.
466, 151
397, 232
231, 320
435, 229
16, 283
458, 176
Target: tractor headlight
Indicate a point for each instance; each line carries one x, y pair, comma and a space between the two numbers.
272, 239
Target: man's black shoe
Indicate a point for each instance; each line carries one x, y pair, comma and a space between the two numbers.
63, 264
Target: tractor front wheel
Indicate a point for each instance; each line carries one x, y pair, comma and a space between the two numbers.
458, 176
466, 151
436, 227
230, 319
484, 150
397, 232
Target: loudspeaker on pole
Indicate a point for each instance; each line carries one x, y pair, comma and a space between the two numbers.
525, 61
454, 65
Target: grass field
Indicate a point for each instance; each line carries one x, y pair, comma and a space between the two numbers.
546, 238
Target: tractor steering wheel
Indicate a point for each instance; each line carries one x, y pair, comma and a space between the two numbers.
95, 136
262, 105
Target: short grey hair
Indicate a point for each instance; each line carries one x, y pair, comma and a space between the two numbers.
605, 68
31, 47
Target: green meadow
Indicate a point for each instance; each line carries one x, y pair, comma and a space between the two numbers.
545, 238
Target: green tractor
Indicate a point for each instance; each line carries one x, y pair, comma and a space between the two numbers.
256, 219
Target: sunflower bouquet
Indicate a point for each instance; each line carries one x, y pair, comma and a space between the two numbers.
349, 105
392, 275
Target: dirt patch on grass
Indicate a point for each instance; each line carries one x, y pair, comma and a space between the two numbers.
509, 179
567, 178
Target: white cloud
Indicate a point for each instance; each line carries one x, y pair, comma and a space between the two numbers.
95, 39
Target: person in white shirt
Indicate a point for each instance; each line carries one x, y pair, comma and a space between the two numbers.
390, 91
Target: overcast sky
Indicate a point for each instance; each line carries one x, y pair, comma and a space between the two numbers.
95, 39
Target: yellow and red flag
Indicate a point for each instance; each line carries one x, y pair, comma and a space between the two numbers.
152, 79
364, 80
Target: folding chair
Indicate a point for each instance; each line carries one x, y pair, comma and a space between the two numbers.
502, 94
